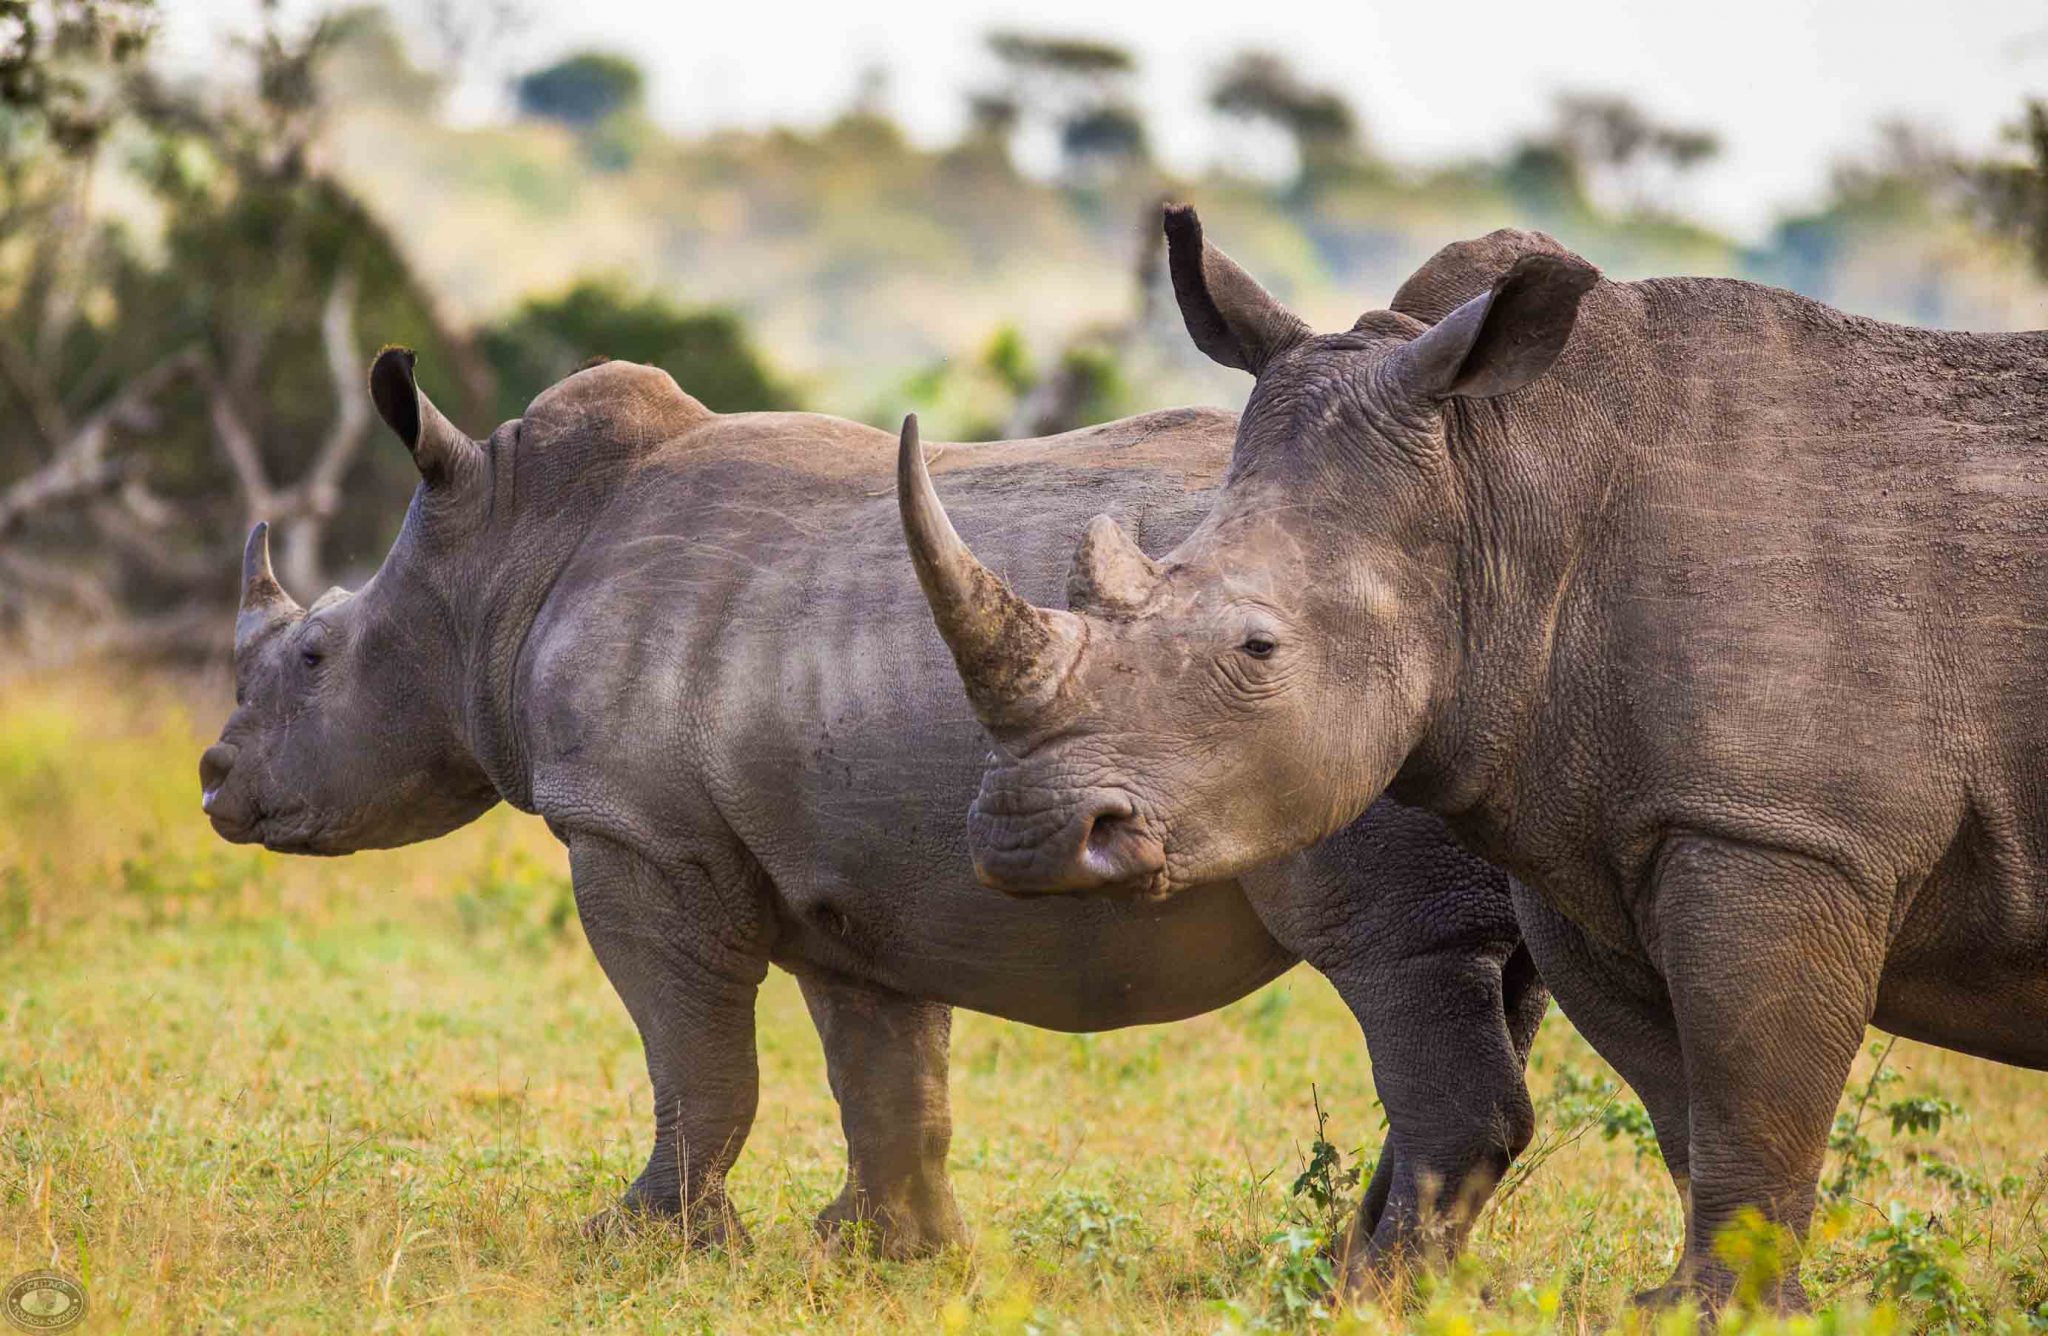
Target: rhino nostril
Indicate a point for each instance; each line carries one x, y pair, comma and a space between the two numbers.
1104, 830
1117, 847
214, 764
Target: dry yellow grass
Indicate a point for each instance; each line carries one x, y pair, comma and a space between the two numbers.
239, 1091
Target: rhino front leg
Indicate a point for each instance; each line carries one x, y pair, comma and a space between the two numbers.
886, 1055
1772, 960
660, 937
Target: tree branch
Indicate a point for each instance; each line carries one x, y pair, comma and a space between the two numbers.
316, 496
238, 443
80, 469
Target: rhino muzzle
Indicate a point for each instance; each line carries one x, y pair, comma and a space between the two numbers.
1098, 842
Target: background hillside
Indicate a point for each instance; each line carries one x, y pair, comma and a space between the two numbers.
195, 265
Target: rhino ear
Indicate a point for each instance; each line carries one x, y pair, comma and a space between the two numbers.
1503, 339
439, 450
1228, 315
1111, 575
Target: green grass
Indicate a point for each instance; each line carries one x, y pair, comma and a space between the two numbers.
245, 1092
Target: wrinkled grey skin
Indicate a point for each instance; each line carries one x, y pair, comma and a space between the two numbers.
691, 643
1719, 618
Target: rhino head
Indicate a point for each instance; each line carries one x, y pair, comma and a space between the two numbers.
1259, 686
346, 731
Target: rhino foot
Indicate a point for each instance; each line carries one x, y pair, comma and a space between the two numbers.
922, 1225
709, 1224
1713, 1290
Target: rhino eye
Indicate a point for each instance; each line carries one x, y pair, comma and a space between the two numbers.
1259, 647
310, 657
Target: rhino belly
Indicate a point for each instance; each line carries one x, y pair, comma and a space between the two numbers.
1075, 963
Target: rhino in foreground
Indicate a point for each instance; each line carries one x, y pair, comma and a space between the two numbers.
1717, 617
692, 644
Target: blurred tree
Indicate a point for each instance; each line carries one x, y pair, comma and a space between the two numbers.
235, 350
1002, 393
705, 350
582, 90
1102, 141
1077, 87
62, 405
366, 60
1260, 86
1546, 180
2011, 196
1604, 144
59, 64
1611, 131
1898, 196
866, 129
991, 122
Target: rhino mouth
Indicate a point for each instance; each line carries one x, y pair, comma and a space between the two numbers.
281, 832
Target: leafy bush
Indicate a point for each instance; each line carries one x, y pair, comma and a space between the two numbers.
706, 350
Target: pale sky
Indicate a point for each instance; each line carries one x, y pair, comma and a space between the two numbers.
1788, 84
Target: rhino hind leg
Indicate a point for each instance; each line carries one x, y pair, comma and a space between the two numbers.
1620, 1006
886, 1055
1450, 1145
1448, 1064
661, 942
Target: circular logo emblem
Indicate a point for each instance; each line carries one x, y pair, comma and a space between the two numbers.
44, 1301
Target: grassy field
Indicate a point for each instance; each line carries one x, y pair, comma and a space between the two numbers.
245, 1092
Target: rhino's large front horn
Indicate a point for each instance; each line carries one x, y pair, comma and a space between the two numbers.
1012, 656
264, 602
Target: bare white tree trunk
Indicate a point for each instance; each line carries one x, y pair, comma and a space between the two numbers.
300, 511
318, 494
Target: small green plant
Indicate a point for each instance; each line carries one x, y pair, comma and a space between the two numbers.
1082, 1228
1298, 1266
1579, 1103
1861, 1158
1300, 1275
1324, 1182
1920, 1265
1618, 1118
1921, 1113
1959, 1180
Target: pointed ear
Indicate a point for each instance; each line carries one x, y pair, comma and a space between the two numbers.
1503, 339
1110, 576
439, 449
1228, 315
